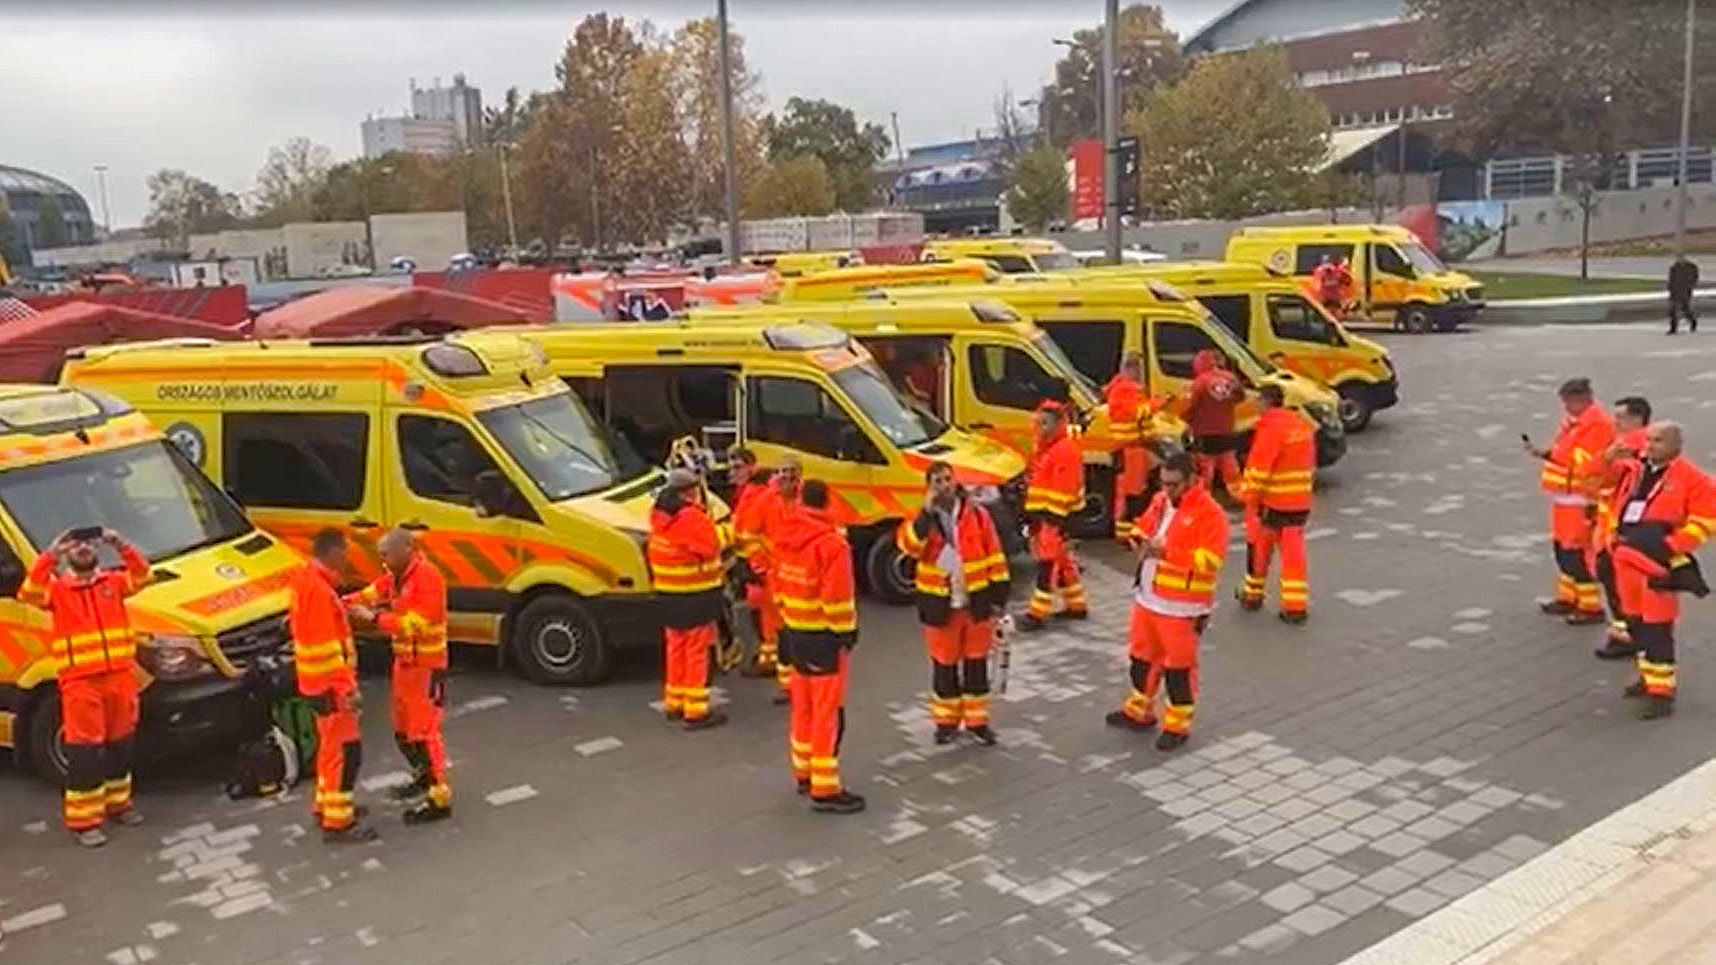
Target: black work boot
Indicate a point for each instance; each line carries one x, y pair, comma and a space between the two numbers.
755, 669
427, 812
1634, 689
1556, 608
843, 803
714, 718
1581, 618
409, 790
1655, 707
1615, 650
1124, 721
803, 787
353, 833
1073, 615
1031, 624
984, 733
1294, 618
1169, 741
945, 733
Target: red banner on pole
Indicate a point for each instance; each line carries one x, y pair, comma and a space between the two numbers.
1087, 179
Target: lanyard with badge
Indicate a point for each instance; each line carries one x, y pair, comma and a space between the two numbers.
1635, 508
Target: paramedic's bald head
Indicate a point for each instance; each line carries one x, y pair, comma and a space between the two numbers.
1663, 442
396, 547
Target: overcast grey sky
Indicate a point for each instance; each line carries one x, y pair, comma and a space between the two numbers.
210, 87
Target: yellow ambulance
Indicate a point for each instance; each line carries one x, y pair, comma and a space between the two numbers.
976, 363
1096, 323
1008, 255
846, 284
515, 493
794, 390
216, 599
1273, 315
792, 264
1398, 280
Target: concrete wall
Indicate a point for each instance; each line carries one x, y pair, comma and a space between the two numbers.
1543, 224
429, 238
105, 253
317, 248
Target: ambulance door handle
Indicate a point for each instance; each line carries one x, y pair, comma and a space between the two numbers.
982, 425
414, 525
359, 522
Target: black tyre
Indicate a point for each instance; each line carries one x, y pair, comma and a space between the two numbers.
1356, 408
45, 742
888, 572
555, 641
1416, 320
1096, 518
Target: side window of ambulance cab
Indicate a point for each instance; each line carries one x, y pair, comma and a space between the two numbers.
1177, 344
802, 415
296, 460
1005, 376
441, 459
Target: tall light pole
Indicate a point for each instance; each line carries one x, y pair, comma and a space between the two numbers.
506, 198
107, 220
727, 146
1685, 133
1111, 130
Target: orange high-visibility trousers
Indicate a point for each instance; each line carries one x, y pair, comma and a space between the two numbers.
818, 723
1129, 485
1226, 464
1650, 622
419, 702
1261, 544
99, 717
1057, 575
1162, 650
959, 670
685, 689
768, 616
1571, 528
339, 754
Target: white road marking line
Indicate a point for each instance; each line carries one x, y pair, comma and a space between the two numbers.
35, 916
1509, 910
510, 795
598, 746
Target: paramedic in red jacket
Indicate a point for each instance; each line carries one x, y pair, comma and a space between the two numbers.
1181, 541
95, 653
1211, 412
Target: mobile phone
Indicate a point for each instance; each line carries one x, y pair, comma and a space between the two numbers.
1525, 438
87, 534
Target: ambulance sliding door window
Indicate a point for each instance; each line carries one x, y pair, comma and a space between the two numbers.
295, 460
1093, 347
802, 415
441, 459
1310, 256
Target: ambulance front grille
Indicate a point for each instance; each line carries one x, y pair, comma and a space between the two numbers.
266, 636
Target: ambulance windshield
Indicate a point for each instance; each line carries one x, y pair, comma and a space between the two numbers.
877, 398
148, 493
559, 446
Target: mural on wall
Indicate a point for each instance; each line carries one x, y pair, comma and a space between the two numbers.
1470, 230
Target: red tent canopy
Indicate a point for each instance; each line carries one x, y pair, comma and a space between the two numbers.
382, 310
31, 349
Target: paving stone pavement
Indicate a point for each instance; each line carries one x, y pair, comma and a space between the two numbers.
1426, 733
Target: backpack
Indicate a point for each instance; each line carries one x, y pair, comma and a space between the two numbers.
264, 767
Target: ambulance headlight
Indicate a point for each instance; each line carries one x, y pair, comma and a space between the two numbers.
985, 495
173, 658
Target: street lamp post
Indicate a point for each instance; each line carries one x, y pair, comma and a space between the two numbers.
1111, 130
727, 146
506, 198
106, 218
1685, 133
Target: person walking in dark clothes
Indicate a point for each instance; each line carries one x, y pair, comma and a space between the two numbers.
1682, 280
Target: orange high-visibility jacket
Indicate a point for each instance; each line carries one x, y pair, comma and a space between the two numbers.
1127, 409
1282, 462
1056, 486
1606, 475
92, 631
1196, 543
684, 556
987, 581
321, 636
813, 564
1580, 439
1683, 498
412, 610
748, 504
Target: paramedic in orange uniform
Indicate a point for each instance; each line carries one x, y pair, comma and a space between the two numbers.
1632, 417
1584, 434
752, 491
1054, 492
685, 567
1279, 473
1128, 413
94, 653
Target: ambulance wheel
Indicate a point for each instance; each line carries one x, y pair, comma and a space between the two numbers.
556, 642
1415, 320
1356, 409
888, 572
1096, 519
45, 740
